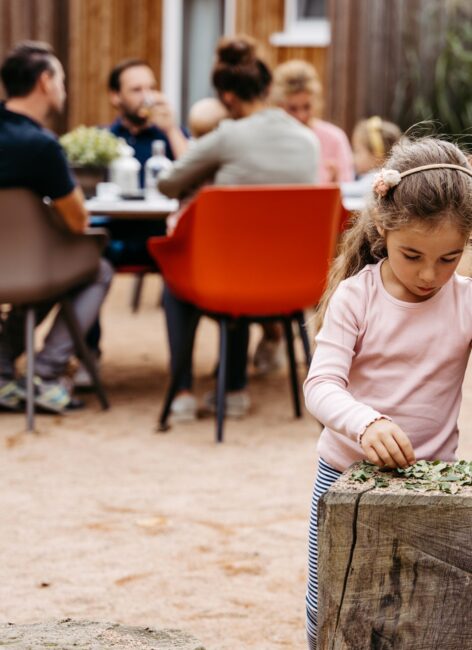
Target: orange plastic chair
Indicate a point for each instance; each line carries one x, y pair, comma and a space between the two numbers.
256, 253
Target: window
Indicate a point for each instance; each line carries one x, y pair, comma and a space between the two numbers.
203, 24
307, 9
190, 29
305, 24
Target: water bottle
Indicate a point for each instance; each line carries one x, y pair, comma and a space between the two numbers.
153, 167
124, 171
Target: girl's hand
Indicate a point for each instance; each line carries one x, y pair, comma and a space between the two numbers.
385, 444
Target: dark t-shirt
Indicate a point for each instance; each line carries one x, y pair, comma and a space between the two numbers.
142, 141
31, 157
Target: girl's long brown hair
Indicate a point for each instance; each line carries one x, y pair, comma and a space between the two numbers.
426, 198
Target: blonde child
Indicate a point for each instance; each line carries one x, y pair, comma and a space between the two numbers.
205, 115
395, 326
372, 140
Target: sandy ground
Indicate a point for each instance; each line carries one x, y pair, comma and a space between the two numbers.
102, 518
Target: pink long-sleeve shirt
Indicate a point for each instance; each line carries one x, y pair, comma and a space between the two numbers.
379, 356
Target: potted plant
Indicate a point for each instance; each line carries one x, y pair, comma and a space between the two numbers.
89, 151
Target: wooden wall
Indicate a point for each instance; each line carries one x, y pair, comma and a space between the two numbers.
363, 71
102, 32
261, 18
41, 20
91, 36
372, 40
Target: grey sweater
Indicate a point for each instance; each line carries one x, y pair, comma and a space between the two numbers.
266, 148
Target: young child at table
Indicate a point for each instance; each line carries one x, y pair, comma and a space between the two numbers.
372, 140
394, 326
204, 116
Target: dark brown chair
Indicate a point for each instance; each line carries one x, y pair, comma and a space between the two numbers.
41, 260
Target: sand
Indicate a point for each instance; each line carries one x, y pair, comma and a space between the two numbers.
103, 518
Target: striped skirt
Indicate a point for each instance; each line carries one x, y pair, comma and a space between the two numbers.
325, 477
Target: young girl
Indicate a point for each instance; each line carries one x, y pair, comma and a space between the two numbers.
372, 141
395, 326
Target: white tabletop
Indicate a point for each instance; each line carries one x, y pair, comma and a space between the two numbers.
161, 207
124, 208
353, 203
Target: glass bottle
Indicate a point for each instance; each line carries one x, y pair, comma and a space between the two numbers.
153, 167
124, 171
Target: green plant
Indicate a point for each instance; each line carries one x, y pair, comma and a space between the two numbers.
436, 83
423, 476
89, 145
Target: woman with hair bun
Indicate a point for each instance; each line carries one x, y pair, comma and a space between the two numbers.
260, 145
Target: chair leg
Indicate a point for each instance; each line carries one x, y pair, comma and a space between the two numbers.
221, 380
293, 366
83, 352
136, 292
175, 379
29, 346
304, 337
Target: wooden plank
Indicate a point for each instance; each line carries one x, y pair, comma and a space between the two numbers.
42, 20
395, 569
103, 32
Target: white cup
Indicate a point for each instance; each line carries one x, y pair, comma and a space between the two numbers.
107, 191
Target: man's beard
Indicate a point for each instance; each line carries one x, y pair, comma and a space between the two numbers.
134, 118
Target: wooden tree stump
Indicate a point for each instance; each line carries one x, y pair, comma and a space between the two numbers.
73, 635
395, 568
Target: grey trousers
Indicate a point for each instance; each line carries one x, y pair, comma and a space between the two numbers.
52, 360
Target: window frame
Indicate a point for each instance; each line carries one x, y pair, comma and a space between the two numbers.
308, 32
173, 48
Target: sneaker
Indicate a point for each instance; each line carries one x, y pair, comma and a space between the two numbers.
237, 403
184, 408
51, 395
82, 380
269, 356
9, 395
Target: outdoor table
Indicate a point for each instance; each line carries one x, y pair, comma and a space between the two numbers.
395, 566
353, 203
162, 207
132, 209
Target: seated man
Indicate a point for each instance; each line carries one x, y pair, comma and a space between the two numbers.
144, 115
32, 158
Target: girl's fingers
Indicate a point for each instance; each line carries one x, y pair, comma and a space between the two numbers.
384, 455
405, 445
373, 457
395, 451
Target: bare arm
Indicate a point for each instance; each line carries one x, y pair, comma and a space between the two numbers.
178, 141
72, 210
